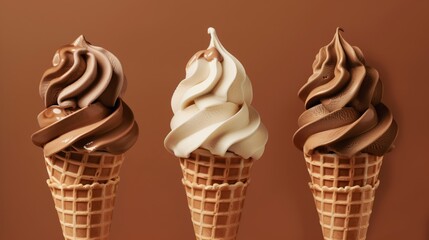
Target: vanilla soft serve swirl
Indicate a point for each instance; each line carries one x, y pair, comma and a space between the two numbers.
212, 107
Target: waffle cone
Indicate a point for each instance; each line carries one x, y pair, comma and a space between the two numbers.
202, 167
344, 212
73, 167
333, 171
215, 209
85, 211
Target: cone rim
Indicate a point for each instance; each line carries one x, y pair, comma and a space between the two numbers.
206, 152
359, 154
85, 152
203, 151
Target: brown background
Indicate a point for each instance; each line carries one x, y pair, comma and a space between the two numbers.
276, 41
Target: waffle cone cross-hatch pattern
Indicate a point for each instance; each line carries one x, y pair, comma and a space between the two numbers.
85, 211
333, 171
344, 213
215, 209
72, 167
204, 168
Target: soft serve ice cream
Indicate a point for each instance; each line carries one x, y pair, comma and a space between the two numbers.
217, 136
212, 107
344, 113
84, 109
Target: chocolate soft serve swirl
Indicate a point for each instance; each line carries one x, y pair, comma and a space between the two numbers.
344, 113
84, 110
212, 107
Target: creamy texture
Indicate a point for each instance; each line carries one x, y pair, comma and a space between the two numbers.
212, 107
84, 110
344, 113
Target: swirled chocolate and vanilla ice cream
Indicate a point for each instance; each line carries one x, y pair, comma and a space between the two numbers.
344, 133
216, 134
86, 127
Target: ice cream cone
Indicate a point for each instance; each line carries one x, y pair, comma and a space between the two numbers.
85, 130
333, 171
344, 116
217, 135
73, 167
85, 211
202, 167
215, 209
344, 212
